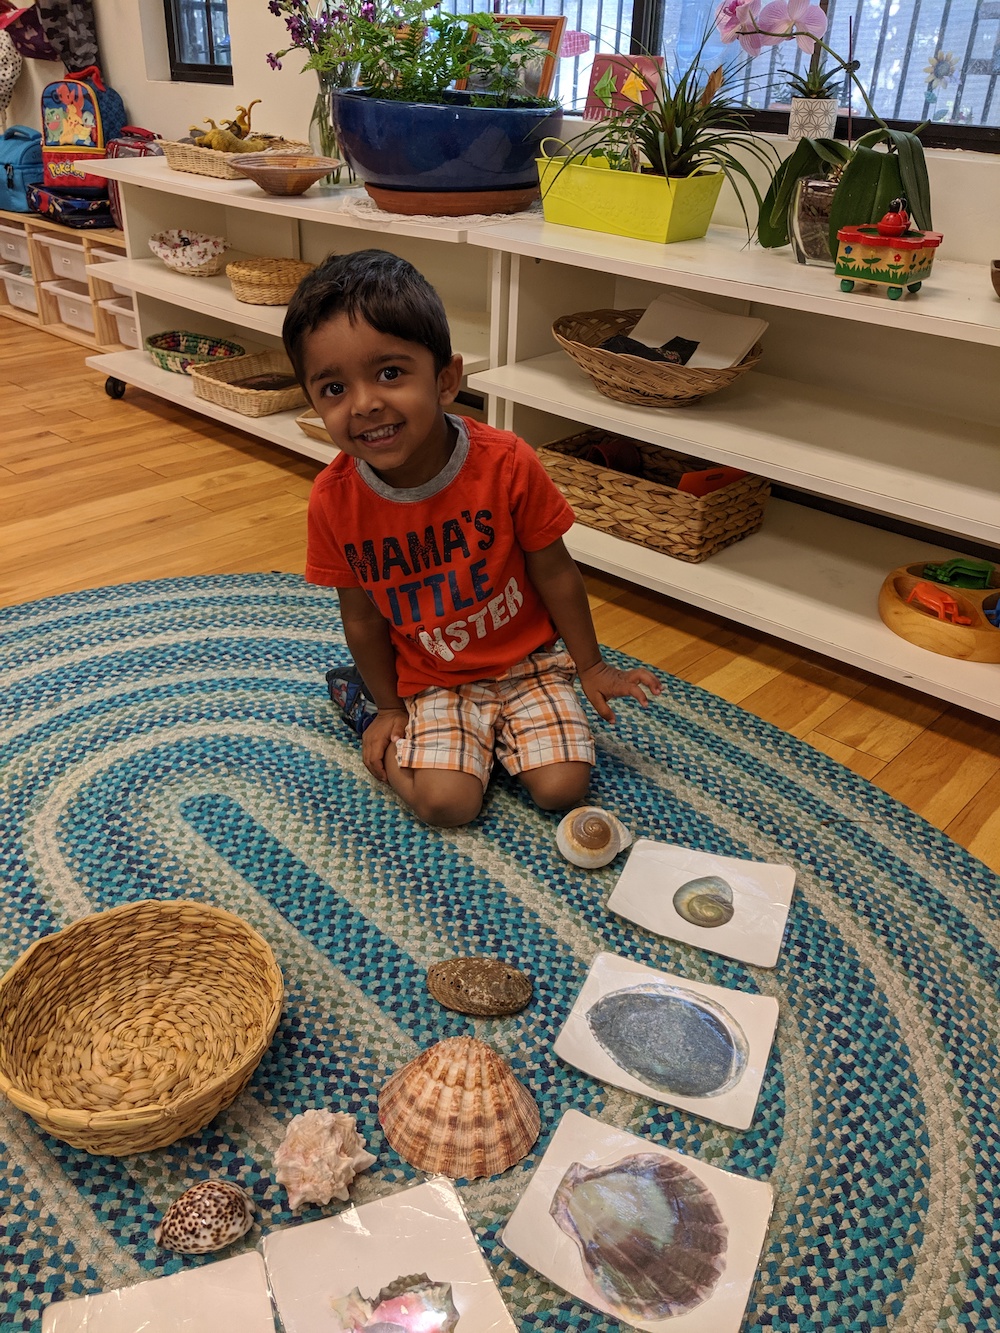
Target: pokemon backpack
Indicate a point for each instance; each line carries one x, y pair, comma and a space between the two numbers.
80, 116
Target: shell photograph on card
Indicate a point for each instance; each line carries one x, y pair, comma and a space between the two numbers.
674, 1040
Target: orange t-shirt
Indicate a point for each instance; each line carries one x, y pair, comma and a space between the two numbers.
444, 563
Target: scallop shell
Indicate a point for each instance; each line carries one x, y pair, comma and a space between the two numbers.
481, 986
412, 1304
208, 1216
319, 1156
705, 902
458, 1109
650, 1233
673, 1039
591, 837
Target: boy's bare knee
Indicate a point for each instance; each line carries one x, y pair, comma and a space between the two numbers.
558, 786
446, 799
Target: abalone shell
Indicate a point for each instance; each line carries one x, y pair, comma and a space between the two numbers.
707, 901
650, 1233
675, 1040
485, 987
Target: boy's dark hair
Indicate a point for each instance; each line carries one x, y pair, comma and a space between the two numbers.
384, 290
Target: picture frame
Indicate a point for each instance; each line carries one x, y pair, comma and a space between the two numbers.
544, 31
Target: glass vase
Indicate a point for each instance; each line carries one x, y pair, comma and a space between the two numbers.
323, 137
809, 219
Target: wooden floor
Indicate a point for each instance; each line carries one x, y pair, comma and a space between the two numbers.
94, 491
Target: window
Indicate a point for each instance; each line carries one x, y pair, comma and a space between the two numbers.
198, 41
921, 60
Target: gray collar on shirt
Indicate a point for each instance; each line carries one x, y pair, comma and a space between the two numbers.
411, 494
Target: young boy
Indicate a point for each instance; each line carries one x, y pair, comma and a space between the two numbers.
443, 538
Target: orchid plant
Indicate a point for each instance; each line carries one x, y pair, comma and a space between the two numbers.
869, 180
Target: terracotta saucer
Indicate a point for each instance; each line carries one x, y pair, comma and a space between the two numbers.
454, 203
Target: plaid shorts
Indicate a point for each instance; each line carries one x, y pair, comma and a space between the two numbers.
531, 717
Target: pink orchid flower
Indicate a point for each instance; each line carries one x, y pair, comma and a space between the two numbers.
738, 21
794, 18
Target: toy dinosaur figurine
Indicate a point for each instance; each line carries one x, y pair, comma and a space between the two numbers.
224, 141
240, 126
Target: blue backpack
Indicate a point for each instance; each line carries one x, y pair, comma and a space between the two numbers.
80, 117
20, 166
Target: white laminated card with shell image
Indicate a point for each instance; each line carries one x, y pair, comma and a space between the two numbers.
640, 1232
724, 904
590, 837
459, 1110
699, 1047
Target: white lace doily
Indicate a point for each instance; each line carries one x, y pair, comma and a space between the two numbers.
370, 212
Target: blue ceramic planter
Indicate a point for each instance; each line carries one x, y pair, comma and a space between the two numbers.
453, 147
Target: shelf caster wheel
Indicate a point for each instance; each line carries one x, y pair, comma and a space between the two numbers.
115, 388
894, 293
847, 284
914, 286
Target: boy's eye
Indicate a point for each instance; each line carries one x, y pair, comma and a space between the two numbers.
389, 373
332, 390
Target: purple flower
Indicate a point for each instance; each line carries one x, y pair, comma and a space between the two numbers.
794, 18
296, 29
274, 62
274, 6
368, 12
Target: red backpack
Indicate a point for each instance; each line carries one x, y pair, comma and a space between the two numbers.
132, 142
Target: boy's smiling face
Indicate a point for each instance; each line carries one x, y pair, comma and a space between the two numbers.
381, 398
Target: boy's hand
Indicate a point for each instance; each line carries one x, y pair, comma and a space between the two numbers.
602, 682
385, 728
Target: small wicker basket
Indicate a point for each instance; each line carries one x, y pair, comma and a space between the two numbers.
633, 379
649, 510
262, 281
134, 1027
177, 350
311, 423
214, 382
208, 162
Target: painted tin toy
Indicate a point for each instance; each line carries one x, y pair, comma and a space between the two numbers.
889, 253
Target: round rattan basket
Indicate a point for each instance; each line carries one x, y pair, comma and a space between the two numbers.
262, 281
134, 1027
633, 379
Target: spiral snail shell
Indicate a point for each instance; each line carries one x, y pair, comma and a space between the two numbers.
590, 837
707, 901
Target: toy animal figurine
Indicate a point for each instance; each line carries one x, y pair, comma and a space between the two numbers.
224, 141
240, 126
890, 254
938, 602
961, 572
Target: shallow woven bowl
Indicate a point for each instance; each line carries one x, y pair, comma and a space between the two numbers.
287, 174
195, 253
177, 351
265, 281
633, 379
134, 1027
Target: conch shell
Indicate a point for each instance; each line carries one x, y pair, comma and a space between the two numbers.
458, 1110
319, 1156
590, 837
208, 1216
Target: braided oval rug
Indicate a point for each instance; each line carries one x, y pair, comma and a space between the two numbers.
174, 739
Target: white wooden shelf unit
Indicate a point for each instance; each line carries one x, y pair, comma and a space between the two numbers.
884, 406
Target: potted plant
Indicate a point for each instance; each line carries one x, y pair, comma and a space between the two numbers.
655, 169
420, 144
854, 185
814, 101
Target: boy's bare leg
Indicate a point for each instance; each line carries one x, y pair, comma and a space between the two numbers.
438, 796
558, 786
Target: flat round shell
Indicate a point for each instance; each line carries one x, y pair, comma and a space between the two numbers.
482, 986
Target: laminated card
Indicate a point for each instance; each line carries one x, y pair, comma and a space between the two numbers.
735, 908
684, 1043
661, 1241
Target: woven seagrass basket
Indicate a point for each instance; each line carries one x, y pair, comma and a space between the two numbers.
208, 162
176, 350
262, 281
214, 382
649, 510
134, 1027
633, 379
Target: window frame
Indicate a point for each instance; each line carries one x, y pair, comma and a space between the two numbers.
182, 71
647, 24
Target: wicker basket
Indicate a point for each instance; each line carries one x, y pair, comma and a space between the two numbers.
633, 379
193, 253
209, 162
649, 510
311, 424
214, 382
176, 350
262, 281
134, 1027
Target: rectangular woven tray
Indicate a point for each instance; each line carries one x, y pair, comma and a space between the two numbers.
207, 162
649, 510
214, 383
312, 425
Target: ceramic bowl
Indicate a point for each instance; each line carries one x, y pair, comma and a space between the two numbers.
285, 173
